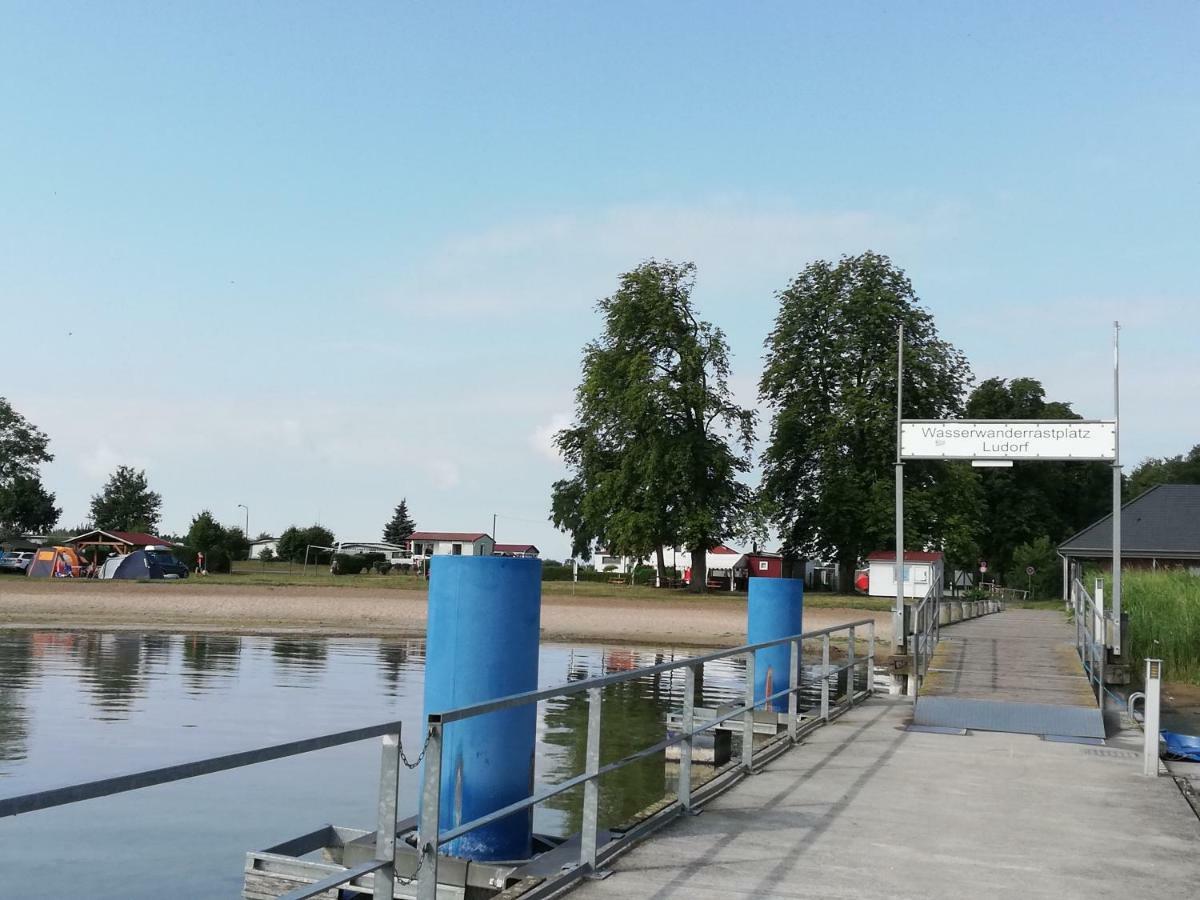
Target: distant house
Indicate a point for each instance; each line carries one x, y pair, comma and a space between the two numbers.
606, 561
1159, 528
450, 543
719, 564
922, 571
756, 564
394, 554
526, 550
267, 543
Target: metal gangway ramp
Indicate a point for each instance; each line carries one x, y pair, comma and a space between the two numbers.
1020, 671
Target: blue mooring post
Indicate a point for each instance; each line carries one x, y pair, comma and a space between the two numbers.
481, 644
775, 610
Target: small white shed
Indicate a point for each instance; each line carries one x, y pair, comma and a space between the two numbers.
922, 570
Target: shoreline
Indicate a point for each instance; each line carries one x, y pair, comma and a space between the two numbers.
700, 621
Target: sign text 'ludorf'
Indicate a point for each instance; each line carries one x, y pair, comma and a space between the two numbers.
984, 439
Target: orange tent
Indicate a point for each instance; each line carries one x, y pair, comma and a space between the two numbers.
55, 562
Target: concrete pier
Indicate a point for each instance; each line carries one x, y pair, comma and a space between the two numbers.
865, 809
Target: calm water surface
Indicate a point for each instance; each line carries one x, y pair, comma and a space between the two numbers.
79, 706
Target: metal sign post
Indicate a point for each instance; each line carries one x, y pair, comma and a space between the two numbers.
997, 443
899, 643
1116, 487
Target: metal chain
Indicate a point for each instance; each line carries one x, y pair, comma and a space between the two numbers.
411, 879
420, 756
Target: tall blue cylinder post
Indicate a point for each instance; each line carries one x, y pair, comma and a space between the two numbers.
775, 610
481, 644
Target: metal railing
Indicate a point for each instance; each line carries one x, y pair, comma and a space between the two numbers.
924, 632
430, 836
1007, 594
1093, 634
389, 786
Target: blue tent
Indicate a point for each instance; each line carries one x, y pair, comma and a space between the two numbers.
136, 565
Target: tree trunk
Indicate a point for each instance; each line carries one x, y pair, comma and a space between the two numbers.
699, 573
846, 569
662, 566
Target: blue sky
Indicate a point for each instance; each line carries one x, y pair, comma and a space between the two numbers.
316, 257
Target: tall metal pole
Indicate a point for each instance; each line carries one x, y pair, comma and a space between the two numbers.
1116, 487
898, 637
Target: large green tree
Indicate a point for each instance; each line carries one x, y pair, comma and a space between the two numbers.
23, 447
294, 542
658, 443
400, 526
1182, 469
830, 382
126, 502
1033, 499
26, 506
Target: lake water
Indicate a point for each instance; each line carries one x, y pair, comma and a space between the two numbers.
80, 706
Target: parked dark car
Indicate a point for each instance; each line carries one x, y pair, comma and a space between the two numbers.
165, 560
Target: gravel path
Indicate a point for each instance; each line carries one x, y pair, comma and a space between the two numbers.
714, 622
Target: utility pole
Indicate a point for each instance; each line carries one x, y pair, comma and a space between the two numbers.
247, 509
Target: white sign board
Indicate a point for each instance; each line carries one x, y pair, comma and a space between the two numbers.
1052, 439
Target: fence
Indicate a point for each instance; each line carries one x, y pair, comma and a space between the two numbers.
379, 876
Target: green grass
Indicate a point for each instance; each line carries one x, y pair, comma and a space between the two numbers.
1164, 620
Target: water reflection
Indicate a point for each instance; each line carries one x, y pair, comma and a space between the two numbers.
397, 660
299, 656
209, 656
16, 665
635, 714
112, 671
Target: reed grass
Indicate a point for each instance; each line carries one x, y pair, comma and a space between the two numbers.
1164, 620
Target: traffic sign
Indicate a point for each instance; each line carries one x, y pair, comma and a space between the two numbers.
1029, 570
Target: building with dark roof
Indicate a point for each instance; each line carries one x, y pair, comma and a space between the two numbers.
1160, 527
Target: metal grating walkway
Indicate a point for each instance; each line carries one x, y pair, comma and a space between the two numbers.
1016, 671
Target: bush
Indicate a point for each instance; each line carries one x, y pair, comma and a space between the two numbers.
348, 564
266, 554
217, 561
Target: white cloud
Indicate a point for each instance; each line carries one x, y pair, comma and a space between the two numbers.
542, 438
553, 262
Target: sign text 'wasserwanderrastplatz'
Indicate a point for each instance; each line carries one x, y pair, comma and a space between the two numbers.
1066, 439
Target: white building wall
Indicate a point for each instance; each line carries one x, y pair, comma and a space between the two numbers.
919, 577
481, 547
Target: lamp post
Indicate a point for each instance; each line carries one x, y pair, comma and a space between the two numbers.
247, 509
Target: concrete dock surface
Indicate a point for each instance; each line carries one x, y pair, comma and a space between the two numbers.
864, 808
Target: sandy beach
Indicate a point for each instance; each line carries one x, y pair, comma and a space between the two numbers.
263, 609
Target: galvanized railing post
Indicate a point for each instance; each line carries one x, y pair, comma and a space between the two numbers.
825, 676
871, 657
793, 692
850, 669
1100, 642
685, 748
1150, 719
591, 790
385, 820
431, 802
748, 717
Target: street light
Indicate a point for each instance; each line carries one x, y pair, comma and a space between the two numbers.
247, 532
